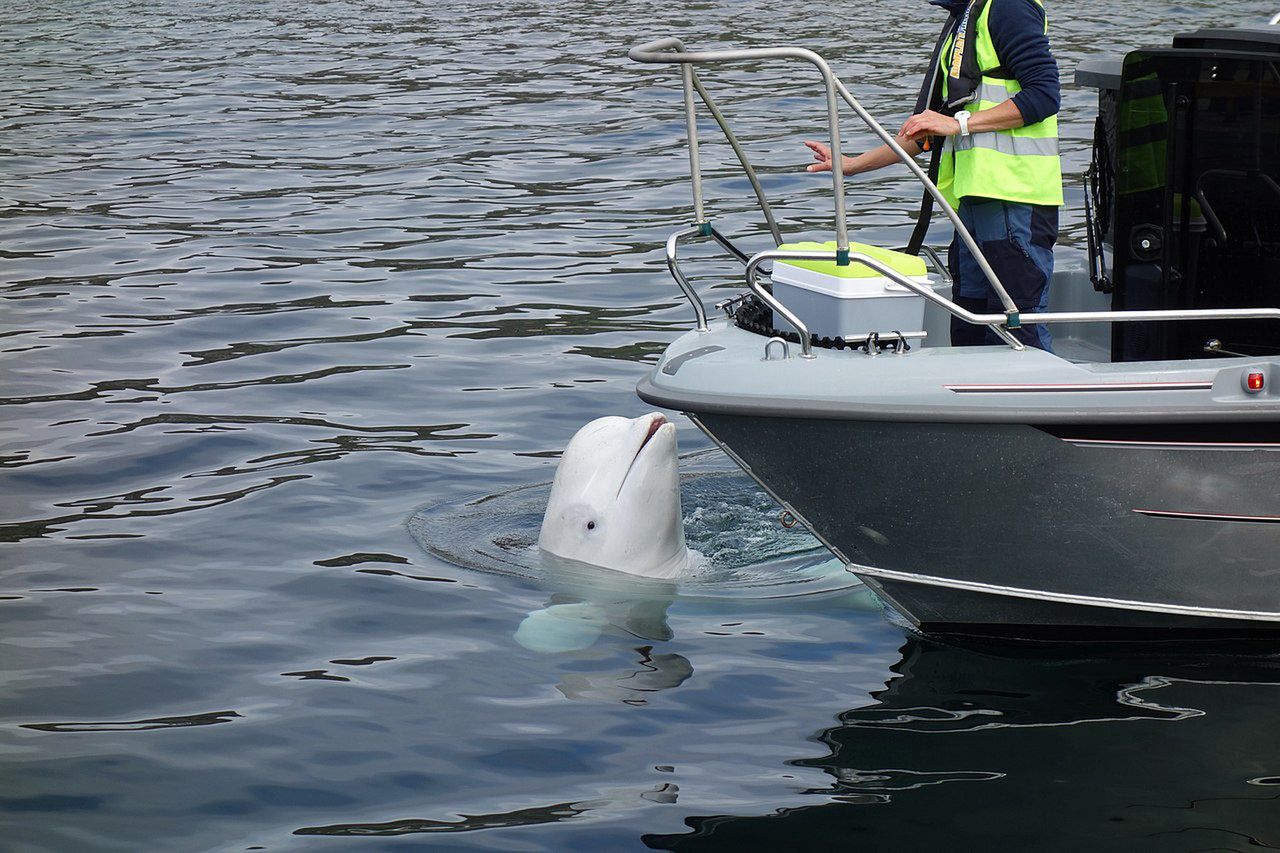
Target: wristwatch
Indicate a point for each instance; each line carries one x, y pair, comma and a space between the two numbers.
963, 118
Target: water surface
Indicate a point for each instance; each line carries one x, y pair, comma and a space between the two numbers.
276, 276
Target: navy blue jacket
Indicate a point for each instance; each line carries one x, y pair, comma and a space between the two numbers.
1017, 28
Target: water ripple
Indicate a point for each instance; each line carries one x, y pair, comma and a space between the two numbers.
274, 274
212, 718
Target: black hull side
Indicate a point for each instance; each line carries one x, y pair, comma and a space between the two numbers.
1009, 529
960, 615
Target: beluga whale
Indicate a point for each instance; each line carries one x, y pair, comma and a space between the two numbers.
615, 501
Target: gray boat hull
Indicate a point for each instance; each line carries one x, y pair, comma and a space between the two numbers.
982, 490
1005, 528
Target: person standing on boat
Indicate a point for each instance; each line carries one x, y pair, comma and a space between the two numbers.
993, 95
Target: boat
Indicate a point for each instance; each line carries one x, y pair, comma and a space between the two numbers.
1124, 485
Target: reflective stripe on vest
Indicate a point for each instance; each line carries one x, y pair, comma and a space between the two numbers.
1020, 164
1019, 146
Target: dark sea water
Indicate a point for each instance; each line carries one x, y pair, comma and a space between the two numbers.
300, 302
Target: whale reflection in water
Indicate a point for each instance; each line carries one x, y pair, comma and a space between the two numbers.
1018, 748
588, 604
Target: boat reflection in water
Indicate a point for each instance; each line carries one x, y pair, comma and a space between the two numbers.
1024, 748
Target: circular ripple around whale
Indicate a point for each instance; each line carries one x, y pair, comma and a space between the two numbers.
742, 548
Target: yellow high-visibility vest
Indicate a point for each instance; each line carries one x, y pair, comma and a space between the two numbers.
1020, 164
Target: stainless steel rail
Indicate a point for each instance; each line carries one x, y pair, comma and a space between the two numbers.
961, 231
932, 257
806, 345
704, 229
993, 321
996, 321
729, 136
1149, 316
672, 51
673, 264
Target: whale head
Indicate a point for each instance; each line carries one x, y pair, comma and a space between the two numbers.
615, 501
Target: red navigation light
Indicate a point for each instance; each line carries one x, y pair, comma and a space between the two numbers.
1254, 382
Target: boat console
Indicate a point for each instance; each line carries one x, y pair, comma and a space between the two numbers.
1185, 186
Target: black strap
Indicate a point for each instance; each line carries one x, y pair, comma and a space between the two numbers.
930, 97
926, 204
931, 87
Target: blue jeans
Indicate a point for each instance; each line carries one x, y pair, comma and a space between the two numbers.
1017, 240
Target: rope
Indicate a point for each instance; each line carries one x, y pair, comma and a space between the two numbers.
752, 315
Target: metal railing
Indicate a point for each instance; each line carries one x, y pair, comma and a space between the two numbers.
995, 321
672, 51
704, 229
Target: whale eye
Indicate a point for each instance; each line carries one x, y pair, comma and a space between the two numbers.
591, 525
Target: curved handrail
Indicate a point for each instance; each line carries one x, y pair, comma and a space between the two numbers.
673, 264
806, 345
933, 190
750, 171
653, 52
996, 321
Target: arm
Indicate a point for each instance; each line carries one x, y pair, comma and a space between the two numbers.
928, 123
869, 161
1000, 117
1017, 28
1018, 32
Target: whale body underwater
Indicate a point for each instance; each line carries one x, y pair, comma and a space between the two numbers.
615, 501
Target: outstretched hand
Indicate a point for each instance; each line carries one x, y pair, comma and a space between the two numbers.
821, 154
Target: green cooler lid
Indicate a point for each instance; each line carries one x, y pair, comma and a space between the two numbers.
902, 263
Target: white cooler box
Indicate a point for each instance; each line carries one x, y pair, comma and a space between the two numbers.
851, 301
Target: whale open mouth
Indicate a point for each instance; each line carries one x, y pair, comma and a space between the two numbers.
656, 423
